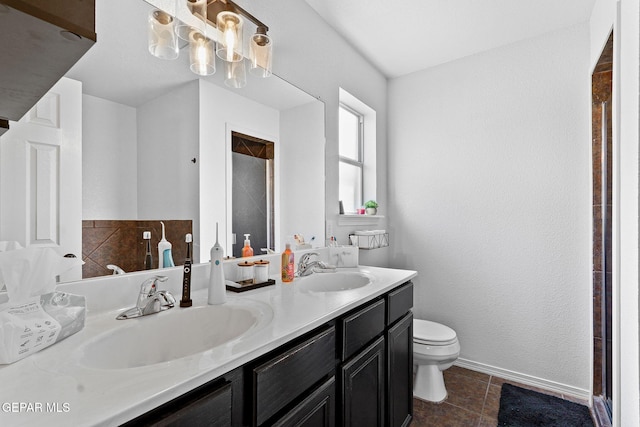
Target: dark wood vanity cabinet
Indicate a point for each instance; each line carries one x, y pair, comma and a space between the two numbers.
400, 372
399, 340
377, 369
289, 375
363, 387
218, 403
356, 370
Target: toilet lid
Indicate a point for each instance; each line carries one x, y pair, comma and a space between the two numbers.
432, 333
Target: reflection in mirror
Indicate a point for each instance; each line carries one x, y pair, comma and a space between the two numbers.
156, 140
252, 192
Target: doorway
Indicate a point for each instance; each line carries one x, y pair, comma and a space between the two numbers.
602, 168
252, 192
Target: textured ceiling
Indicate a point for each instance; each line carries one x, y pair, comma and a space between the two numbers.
401, 37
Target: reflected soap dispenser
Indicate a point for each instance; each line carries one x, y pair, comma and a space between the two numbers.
217, 288
247, 250
165, 259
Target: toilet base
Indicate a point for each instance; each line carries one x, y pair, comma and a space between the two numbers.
429, 384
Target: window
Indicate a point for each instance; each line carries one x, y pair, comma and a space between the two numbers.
357, 152
351, 159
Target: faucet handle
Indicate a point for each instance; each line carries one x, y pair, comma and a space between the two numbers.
305, 258
148, 288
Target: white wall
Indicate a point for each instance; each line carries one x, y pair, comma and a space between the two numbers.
231, 112
489, 189
302, 175
168, 186
109, 157
312, 56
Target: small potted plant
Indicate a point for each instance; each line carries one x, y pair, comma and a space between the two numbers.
371, 207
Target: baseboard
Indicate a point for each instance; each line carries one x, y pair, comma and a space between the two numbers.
567, 390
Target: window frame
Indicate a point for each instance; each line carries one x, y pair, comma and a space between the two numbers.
360, 164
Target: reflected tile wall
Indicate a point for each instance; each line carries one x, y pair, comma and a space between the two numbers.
120, 242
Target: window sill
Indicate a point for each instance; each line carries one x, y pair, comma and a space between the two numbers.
357, 219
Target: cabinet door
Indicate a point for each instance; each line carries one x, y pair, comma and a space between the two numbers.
400, 372
317, 410
363, 387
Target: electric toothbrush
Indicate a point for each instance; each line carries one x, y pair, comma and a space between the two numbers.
148, 258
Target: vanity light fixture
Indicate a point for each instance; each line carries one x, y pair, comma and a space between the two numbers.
260, 53
230, 47
201, 58
165, 30
163, 42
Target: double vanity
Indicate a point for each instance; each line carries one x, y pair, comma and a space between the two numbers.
327, 349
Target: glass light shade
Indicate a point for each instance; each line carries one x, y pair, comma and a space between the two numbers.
163, 42
235, 74
230, 44
201, 57
260, 55
198, 8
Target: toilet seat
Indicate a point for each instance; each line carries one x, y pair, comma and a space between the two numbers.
432, 333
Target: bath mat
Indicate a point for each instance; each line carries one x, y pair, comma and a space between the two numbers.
526, 408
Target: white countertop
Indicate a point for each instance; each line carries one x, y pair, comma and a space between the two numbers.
52, 388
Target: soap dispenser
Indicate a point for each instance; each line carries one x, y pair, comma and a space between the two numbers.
217, 289
288, 266
165, 259
247, 250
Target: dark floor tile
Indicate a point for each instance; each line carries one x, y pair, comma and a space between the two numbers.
465, 392
473, 400
488, 422
492, 402
468, 372
427, 414
500, 381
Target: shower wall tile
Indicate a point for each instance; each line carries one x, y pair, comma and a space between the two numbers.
597, 304
120, 242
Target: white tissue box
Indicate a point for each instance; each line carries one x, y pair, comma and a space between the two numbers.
38, 323
343, 256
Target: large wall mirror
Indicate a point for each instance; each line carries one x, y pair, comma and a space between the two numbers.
157, 139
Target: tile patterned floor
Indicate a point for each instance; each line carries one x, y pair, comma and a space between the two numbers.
473, 401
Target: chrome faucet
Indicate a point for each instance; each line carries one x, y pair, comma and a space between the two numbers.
150, 299
306, 267
116, 269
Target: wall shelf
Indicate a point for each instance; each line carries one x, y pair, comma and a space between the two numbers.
356, 219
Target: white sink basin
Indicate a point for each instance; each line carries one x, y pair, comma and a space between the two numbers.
173, 334
334, 282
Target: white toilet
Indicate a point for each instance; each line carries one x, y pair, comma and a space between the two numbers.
435, 348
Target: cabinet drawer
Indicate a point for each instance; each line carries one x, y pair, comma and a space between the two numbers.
280, 380
399, 301
210, 408
361, 327
318, 409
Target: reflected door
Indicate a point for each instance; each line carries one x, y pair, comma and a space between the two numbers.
41, 175
252, 192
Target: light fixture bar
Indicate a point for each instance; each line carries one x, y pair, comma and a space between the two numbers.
216, 6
